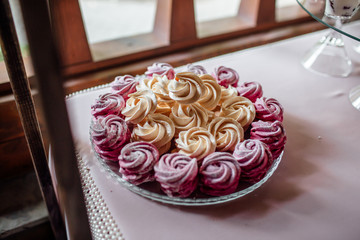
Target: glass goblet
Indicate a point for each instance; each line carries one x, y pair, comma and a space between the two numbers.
328, 56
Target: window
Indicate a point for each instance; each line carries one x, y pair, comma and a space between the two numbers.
111, 19
207, 10
20, 31
106, 21
113, 32
288, 10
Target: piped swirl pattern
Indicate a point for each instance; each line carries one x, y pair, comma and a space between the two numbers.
177, 174
109, 134
137, 160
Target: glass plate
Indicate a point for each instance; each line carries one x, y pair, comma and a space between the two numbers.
151, 190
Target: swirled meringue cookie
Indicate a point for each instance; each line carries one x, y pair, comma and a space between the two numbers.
239, 108
219, 174
250, 90
212, 93
270, 133
158, 85
197, 69
197, 142
227, 93
157, 129
108, 103
163, 108
226, 76
269, 109
162, 69
124, 85
188, 116
137, 160
186, 88
139, 105
177, 174
254, 158
227, 132
109, 134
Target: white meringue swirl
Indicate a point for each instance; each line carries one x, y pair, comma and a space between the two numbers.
227, 132
188, 116
139, 105
186, 88
197, 142
212, 93
158, 85
157, 129
239, 108
227, 93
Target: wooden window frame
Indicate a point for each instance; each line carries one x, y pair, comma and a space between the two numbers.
175, 29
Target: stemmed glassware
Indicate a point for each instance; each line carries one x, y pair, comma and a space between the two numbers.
328, 56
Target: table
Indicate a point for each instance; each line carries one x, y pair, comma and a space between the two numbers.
314, 194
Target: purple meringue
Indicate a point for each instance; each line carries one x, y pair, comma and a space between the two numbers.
161, 69
250, 90
219, 174
226, 76
269, 109
177, 174
109, 134
124, 85
137, 160
270, 133
197, 69
108, 103
254, 158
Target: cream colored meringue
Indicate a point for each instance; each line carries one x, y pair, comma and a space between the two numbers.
139, 105
163, 108
227, 132
157, 84
188, 116
197, 142
157, 129
239, 108
186, 88
227, 93
212, 93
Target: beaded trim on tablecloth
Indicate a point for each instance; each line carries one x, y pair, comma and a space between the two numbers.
102, 224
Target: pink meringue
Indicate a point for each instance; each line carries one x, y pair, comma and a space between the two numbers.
109, 134
161, 69
219, 174
250, 90
124, 85
268, 109
226, 76
270, 133
177, 174
108, 103
137, 160
254, 158
197, 69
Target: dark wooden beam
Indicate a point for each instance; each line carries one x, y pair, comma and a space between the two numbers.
25, 105
69, 25
49, 79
